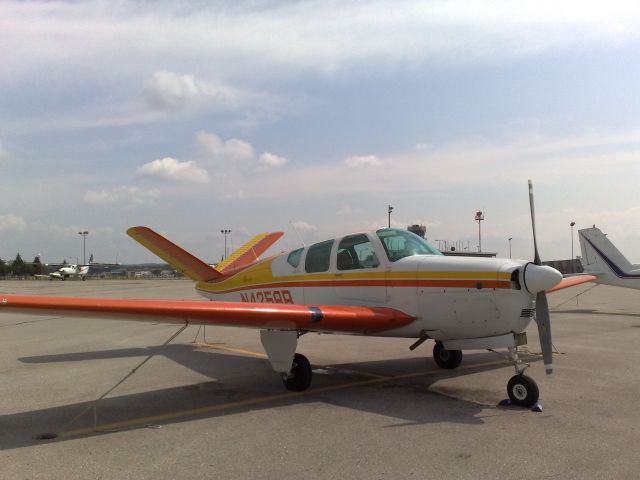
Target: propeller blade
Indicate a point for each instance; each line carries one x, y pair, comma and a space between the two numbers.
544, 331
536, 257
542, 306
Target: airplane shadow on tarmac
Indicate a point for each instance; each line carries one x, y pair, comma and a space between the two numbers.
244, 383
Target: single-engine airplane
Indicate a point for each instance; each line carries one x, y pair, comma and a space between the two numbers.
388, 283
69, 271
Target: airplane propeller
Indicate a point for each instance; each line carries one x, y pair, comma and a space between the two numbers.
542, 306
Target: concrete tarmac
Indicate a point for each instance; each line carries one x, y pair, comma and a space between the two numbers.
208, 405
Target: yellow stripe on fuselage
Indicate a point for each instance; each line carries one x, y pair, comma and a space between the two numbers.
261, 274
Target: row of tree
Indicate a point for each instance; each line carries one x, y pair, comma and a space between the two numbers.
20, 268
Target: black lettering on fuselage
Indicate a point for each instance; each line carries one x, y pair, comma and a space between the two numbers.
267, 296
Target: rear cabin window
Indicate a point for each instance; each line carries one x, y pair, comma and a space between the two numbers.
318, 257
356, 252
294, 257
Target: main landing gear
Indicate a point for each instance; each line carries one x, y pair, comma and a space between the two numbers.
444, 358
299, 378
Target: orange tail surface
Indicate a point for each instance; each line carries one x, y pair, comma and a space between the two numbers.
180, 259
249, 252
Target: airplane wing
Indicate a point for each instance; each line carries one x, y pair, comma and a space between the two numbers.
572, 281
321, 318
182, 260
249, 252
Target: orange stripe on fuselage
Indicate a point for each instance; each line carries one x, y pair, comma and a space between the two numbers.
475, 284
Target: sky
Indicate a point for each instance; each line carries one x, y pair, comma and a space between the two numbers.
311, 117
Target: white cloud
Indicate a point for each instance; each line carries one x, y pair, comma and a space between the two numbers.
269, 160
121, 195
4, 153
170, 169
10, 222
423, 146
170, 91
72, 230
218, 150
307, 36
347, 210
166, 90
477, 162
367, 161
302, 226
235, 159
237, 195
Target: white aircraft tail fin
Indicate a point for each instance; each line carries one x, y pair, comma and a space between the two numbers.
600, 255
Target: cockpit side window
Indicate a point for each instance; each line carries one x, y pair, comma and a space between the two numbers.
356, 252
318, 257
402, 243
293, 258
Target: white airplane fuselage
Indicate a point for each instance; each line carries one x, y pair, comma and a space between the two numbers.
452, 298
71, 271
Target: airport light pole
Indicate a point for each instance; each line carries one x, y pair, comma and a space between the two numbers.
84, 246
479, 218
225, 232
571, 225
510, 238
389, 210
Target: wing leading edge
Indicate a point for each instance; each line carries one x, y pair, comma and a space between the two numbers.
325, 318
572, 281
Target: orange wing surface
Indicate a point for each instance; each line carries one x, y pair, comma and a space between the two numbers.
180, 259
325, 318
249, 252
567, 282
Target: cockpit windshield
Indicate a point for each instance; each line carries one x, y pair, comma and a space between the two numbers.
402, 243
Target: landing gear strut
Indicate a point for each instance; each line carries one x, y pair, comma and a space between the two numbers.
299, 378
448, 359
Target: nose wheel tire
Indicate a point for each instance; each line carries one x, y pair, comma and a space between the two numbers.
299, 379
448, 359
523, 390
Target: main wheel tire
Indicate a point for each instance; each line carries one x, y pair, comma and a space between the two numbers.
523, 390
448, 359
299, 379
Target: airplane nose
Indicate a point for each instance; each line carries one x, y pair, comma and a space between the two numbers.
538, 278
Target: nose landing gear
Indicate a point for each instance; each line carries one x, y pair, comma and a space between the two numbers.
522, 389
